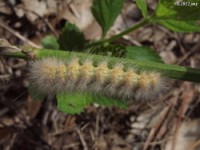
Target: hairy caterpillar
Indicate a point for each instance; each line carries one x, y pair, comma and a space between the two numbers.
50, 76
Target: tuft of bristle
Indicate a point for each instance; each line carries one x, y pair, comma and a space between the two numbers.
101, 77
115, 80
130, 84
42, 74
72, 75
50, 75
87, 72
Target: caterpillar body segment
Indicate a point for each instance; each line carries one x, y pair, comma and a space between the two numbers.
50, 75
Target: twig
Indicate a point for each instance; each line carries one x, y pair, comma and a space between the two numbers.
97, 125
45, 20
82, 139
157, 128
12, 141
187, 99
74, 11
194, 145
194, 49
17, 34
71, 145
121, 34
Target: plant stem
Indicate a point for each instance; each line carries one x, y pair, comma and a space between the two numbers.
115, 37
170, 71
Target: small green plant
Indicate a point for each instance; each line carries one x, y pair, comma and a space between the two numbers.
71, 44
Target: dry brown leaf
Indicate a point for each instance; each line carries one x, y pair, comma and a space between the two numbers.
187, 134
35, 9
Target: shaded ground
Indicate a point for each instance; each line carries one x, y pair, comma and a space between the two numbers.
35, 125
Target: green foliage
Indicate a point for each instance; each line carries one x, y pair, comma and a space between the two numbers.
105, 12
178, 18
73, 103
50, 42
109, 102
71, 38
168, 9
118, 50
142, 53
180, 26
142, 4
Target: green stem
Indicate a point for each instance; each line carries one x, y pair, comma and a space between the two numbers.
113, 38
170, 71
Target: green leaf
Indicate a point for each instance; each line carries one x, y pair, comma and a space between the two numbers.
142, 4
71, 38
73, 103
106, 11
142, 53
175, 17
180, 26
171, 9
50, 42
109, 50
167, 70
109, 102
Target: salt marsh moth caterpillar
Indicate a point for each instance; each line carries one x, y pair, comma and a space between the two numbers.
51, 75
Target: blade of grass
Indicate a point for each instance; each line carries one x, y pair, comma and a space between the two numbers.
170, 71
